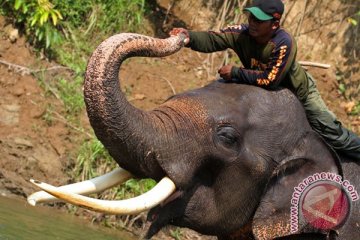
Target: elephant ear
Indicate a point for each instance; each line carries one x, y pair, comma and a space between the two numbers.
272, 217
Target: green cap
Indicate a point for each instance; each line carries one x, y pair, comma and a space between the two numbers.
266, 9
259, 14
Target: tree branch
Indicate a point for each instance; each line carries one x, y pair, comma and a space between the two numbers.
27, 71
314, 64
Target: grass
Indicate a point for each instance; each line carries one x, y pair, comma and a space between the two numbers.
94, 160
71, 94
176, 233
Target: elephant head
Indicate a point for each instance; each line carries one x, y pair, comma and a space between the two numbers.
234, 152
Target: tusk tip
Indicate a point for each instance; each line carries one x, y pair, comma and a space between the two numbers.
32, 202
36, 182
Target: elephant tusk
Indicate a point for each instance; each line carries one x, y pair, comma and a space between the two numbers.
135, 205
87, 187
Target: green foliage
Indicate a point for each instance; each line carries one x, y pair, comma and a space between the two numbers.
356, 109
340, 79
87, 23
342, 88
134, 187
120, 15
353, 20
93, 160
74, 12
47, 22
102, 16
176, 234
43, 12
92, 156
71, 95
38, 18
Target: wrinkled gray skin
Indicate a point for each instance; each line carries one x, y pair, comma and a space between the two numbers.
235, 152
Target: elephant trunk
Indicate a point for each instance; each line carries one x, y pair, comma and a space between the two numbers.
126, 132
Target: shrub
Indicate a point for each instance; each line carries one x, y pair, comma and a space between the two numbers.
47, 22
38, 18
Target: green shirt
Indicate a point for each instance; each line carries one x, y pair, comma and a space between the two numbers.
270, 65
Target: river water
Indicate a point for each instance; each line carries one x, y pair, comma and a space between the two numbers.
20, 221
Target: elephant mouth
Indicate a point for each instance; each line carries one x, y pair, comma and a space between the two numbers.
75, 194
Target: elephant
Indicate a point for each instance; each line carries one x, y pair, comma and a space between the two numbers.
236, 153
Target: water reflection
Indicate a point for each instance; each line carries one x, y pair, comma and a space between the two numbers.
20, 221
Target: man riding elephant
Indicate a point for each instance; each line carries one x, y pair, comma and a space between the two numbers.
268, 54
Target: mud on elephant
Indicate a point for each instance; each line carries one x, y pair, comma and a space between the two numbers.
234, 153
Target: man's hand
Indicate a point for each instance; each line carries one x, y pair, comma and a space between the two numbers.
178, 31
225, 72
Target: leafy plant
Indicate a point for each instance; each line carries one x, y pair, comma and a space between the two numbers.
352, 20
340, 80
38, 18
134, 187
176, 234
44, 11
46, 21
356, 109
92, 156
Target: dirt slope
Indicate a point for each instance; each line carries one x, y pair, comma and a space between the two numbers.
30, 148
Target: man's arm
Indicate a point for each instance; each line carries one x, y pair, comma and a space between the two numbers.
208, 42
211, 41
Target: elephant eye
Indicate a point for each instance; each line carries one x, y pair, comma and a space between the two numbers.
228, 136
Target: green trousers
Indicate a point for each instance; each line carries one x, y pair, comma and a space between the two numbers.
324, 122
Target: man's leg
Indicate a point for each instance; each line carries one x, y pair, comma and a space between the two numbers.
325, 123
